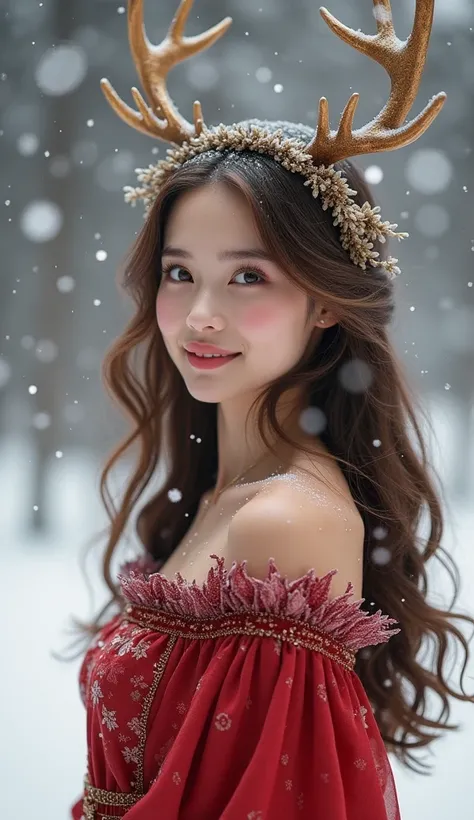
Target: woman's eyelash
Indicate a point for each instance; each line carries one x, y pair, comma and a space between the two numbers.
254, 269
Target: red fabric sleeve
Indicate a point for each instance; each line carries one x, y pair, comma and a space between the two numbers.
236, 699
268, 736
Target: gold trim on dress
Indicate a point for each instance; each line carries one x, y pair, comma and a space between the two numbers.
252, 624
94, 798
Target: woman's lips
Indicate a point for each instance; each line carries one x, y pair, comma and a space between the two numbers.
204, 363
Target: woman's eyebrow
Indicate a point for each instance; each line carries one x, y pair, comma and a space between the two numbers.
244, 253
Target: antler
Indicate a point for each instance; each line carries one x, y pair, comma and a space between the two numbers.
404, 61
161, 119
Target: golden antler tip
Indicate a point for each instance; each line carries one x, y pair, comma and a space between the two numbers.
224, 25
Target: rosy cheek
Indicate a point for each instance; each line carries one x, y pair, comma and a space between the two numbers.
168, 312
259, 317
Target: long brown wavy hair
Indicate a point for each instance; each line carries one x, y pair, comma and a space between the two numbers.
392, 486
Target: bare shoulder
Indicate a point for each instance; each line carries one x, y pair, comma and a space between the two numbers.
303, 524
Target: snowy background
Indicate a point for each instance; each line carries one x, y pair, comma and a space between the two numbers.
64, 157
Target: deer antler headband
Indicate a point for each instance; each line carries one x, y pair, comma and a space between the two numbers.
359, 226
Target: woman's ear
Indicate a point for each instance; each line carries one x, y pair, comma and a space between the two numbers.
325, 319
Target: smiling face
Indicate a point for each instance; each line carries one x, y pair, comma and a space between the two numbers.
220, 286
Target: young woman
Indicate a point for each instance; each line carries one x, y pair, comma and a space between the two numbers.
258, 661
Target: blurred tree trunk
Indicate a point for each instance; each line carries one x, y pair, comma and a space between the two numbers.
54, 380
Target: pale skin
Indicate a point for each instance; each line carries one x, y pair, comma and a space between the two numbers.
221, 287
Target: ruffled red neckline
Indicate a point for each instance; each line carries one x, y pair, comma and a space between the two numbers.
228, 591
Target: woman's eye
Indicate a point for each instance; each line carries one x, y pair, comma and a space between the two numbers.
172, 272
169, 271
250, 273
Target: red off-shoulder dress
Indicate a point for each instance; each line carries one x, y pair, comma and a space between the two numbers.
233, 699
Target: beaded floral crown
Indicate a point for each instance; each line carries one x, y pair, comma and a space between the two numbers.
359, 226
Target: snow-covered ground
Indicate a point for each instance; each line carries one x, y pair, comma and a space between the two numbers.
42, 720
